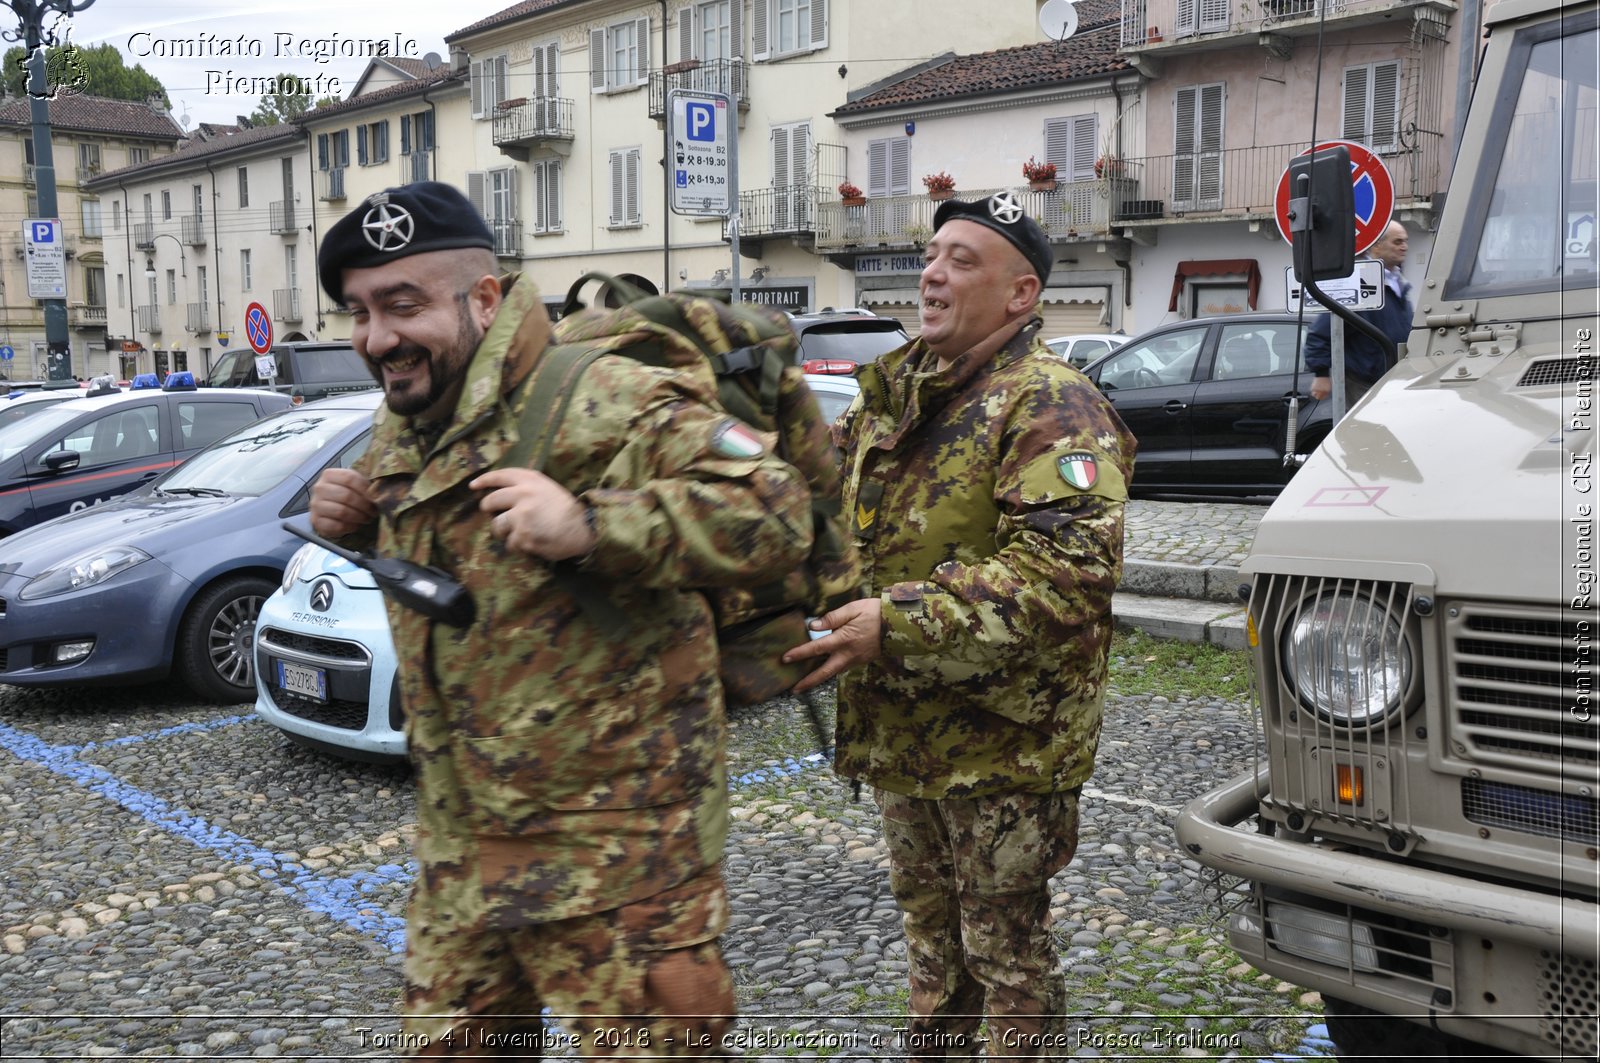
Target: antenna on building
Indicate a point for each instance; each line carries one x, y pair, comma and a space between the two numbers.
1058, 19
432, 61
184, 118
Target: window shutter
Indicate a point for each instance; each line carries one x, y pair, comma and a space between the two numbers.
1188, 10
1210, 167
641, 38
405, 134
1085, 137
541, 177
552, 69
322, 151
736, 29
501, 75
686, 33
361, 145
597, 60
819, 23
1183, 145
1353, 123
477, 192
513, 194
1386, 106
760, 49
900, 166
552, 194
617, 198
878, 168
1213, 15
631, 181
425, 131
780, 156
477, 89
1058, 144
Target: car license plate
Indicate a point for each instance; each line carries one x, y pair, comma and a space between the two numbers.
298, 679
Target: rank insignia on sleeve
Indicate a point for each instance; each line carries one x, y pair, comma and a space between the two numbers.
734, 439
1079, 469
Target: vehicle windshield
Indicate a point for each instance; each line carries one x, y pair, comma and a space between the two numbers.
260, 456
337, 365
1537, 223
852, 344
232, 370
22, 434
12, 412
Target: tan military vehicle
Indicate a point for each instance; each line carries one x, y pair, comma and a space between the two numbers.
1421, 841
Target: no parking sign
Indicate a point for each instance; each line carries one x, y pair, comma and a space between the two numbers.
1371, 184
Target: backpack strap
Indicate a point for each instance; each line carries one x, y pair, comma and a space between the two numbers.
555, 379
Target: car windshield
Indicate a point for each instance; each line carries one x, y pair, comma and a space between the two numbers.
19, 436
337, 365
260, 456
849, 344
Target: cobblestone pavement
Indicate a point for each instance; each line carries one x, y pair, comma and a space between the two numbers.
182, 882
1196, 533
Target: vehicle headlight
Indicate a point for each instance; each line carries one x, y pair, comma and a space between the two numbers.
1347, 658
296, 563
86, 570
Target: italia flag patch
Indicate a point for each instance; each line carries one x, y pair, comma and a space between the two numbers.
735, 439
1079, 469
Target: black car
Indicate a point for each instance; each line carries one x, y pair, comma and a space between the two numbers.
85, 451
836, 341
305, 370
1208, 401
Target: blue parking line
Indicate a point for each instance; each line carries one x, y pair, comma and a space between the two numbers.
338, 899
165, 732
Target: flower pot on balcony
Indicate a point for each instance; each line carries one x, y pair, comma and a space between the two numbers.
1153, 35
854, 201
1042, 186
941, 194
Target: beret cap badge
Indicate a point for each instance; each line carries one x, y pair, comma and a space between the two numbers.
1004, 208
387, 226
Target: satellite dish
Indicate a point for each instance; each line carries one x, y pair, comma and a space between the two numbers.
184, 118
432, 61
1058, 19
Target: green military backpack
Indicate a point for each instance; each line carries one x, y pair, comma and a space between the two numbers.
752, 352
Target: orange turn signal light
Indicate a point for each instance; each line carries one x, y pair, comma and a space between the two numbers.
1348, 784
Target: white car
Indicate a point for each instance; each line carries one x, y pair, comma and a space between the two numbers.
1080, 350
325, 664
834, 393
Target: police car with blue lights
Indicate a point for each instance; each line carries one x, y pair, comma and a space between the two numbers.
85, 451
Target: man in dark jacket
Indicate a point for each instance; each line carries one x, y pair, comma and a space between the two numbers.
1364, 360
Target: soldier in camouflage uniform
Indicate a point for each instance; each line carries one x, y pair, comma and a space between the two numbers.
986, 479
571, 786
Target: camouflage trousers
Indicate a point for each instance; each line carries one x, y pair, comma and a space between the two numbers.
972, 877
646, 979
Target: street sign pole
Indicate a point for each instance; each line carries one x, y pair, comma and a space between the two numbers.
733, 205
704, 132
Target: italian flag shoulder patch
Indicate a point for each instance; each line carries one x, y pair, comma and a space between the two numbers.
1079, 469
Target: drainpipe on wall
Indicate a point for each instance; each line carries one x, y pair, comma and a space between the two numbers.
666, 163
311, 165
133, 322
216, 251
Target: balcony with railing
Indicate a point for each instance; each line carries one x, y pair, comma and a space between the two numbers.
281, 217
149, 319
1073, 210
199, 318
1177, 25
507, 237
416, 166
28, 177
1242, 183
86, 316
286, 305
521, 124
330, 184
194, 230
730, 77
144, 235
87, 173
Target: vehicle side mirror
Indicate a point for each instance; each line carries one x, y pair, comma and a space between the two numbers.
62, 460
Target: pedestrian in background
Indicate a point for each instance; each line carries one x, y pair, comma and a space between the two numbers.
571, 786
1365, 360
986, 479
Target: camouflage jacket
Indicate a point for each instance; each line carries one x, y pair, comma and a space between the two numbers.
987, 505
565, 769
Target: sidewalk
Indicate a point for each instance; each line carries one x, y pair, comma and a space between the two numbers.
1180, 574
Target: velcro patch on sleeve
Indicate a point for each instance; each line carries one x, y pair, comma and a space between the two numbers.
1079, 469
735, 439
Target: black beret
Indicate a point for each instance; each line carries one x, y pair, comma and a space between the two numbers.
1002, 213
394, 223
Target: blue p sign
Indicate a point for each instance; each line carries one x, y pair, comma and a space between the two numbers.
701, 119
43, 232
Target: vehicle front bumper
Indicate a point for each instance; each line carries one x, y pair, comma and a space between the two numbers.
129, 619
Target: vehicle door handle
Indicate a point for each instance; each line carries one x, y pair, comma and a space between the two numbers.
1174, 406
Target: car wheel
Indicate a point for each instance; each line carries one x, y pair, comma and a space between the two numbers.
216, 644
1361, 1033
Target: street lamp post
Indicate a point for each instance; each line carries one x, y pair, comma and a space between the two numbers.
35, 38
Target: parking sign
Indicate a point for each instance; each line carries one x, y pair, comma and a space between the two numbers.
701, 158
47, 258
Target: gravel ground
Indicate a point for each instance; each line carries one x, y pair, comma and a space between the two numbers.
181, 882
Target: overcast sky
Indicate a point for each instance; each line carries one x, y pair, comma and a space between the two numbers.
287, 33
